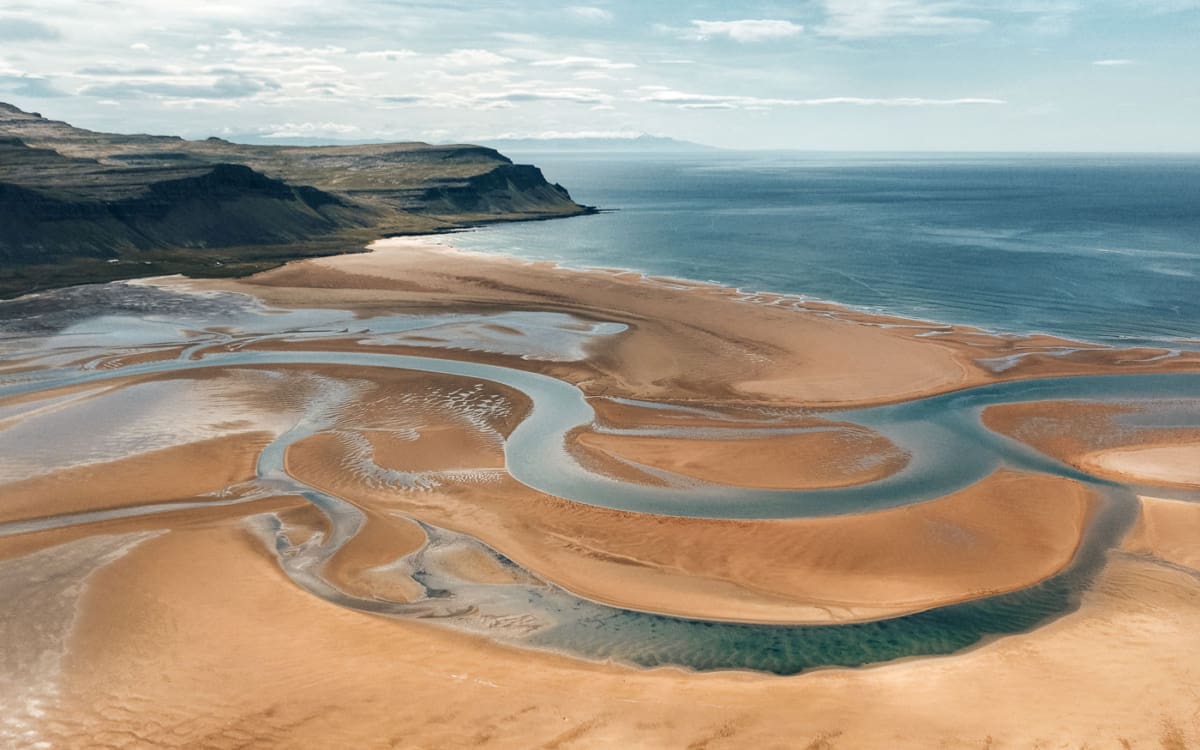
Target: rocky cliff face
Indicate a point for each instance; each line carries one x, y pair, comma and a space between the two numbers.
71, 193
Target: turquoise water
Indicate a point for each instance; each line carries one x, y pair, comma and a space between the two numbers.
1098, 248
568, 623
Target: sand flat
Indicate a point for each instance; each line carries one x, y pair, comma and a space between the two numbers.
833, 457
1174, 464
1007, 532
690, 341
1169, 530
192, 639
169, 474
193, 635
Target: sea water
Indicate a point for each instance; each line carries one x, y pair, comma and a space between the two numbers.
1102, 248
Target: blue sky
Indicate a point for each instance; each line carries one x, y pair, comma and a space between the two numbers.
1104, 75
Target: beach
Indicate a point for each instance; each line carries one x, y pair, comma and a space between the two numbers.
330, 523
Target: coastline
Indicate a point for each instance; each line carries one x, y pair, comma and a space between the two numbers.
741, 368
420, 271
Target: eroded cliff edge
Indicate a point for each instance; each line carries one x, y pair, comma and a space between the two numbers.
79, 206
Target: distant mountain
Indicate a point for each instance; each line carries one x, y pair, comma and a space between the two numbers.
77, 205
634, 144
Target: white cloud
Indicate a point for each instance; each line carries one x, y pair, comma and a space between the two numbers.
140, 46
591, 14
506, 97
865, 19
583, 62
685, 100
265, 48
1113, 62
746, 30
391, 55
471, 58
309, 130
556, 135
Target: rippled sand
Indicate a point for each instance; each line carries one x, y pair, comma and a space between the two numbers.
167, 589
195, 639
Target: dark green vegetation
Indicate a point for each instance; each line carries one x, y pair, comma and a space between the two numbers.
79, 206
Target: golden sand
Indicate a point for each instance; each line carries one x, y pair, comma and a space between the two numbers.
1151, 464
169, 474
688, 341
195, 639
835, 457
180, 629
1168, 530
1088, 435
1006, 533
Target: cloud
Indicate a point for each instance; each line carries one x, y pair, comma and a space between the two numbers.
25, 30
118, 71
532, 91
745, 31
230, 85
140, 46
548, 135
592, 75
22, 84
391, 55
591, 14
583, 62
309, 130
1113, 62
866, 19
267, 48
541, 94
684, 100
471, 58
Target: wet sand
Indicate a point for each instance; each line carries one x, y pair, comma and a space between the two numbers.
833, 457
182, 629
697, 342
143, 668
1101, 439
1006, 533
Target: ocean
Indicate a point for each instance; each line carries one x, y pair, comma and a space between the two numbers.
1102, 248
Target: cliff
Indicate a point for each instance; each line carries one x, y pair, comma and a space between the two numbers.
77, 205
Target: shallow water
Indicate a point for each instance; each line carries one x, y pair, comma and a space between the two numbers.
950, 447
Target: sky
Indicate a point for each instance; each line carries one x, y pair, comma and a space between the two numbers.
891, 75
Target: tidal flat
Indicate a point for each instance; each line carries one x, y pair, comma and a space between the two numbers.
551, 506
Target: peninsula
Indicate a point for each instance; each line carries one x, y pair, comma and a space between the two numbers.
80, 206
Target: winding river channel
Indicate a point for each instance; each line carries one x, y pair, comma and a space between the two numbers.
950, 449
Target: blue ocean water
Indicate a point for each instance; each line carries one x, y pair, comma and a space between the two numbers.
1101, 248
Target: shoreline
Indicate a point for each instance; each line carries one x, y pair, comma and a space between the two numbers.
179, 618
431, 273
800, 298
